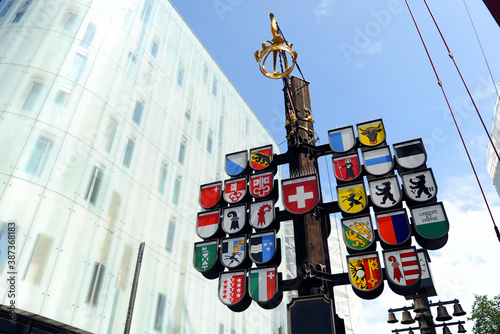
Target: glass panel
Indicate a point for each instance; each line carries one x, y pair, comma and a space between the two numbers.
182, 150
96, 281
94, 185
39, 258
137, 116
146, 12
209, 141
160, 311
14, 133
39, 154
70, 22
76, 68
163, 178
129, 151
177, 189
33, 96
88, 36
170, 236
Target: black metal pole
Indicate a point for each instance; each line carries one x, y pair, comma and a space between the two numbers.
133, 292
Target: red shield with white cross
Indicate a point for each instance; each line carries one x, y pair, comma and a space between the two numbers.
300, 195
261, 184
210, 194
235, 190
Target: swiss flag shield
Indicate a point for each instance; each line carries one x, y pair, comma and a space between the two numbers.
300, 195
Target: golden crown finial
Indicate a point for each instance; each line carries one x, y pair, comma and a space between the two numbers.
279, 49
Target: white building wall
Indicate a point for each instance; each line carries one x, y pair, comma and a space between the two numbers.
492, 159
111, 115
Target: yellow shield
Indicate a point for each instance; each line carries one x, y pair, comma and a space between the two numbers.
371, 133
352, 198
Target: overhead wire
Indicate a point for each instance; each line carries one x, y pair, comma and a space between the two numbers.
440, 83
450, 54
481, 47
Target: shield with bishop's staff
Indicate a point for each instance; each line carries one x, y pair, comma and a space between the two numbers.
365, 275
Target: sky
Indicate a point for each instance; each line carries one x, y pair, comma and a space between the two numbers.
365, 60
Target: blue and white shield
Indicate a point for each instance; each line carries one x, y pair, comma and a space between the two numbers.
262, 247
236, 163
378, 161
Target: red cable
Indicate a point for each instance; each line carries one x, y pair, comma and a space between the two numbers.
454, 120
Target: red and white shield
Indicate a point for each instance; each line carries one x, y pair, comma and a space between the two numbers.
235, 190
402, 269
261, 184
300, 195
210, 194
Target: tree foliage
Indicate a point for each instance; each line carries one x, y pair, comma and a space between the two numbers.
486, 315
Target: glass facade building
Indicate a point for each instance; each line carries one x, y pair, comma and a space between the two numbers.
111, 116
492, 159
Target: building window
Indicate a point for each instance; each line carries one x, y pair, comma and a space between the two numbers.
210, 141
70, 22
138, 109
160, 311
163, 178
110, 134
38, 158
33, 96
61, 98
39, 258
131, 64
215, 84
170, 236
187, 114
221, 328
5, 6
95, 283
221, 127
177, 190
88, 36
154, 49
94, 185
199, 128
180, 75
153, 52
76, 68
129, 151
182, 150
19, 15
205, 73
4, 244
146, 12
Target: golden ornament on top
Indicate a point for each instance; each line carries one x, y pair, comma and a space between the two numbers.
279, 48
